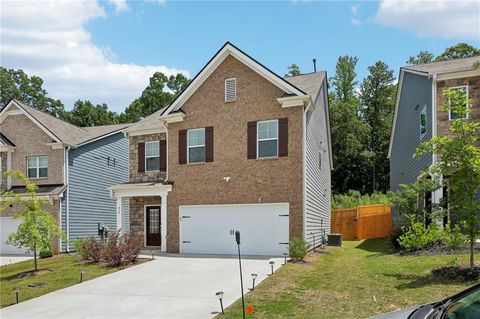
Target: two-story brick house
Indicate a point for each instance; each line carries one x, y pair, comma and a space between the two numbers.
72, 167
419, 116
241, 148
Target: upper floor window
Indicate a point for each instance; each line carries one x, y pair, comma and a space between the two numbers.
37, 167
423, 122
152, 156
451, 114
196, 145
230, 89
267, 139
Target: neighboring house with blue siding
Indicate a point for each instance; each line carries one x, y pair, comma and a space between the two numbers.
241, 148
72, 166
419, 116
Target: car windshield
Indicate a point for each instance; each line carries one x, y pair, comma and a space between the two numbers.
466, 307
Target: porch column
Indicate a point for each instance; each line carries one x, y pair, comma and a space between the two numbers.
120, 215
163, 221
437, 196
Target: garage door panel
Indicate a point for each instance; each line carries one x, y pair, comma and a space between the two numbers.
9, 225
211, 229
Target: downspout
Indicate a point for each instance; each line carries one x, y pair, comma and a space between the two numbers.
67, 201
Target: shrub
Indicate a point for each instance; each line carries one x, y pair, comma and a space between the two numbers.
46, 252
121, 250
90, 249
417, 236
454, 238
354, 198
298, 248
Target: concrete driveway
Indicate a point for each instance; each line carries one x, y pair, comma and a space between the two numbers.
12, 259
171, 286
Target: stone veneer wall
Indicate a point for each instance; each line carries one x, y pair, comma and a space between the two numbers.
137, 214
134, 175
443, 124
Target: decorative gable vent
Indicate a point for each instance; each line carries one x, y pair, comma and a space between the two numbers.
230, 89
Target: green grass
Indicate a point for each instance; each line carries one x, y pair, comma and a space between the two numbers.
63, 271
342, 284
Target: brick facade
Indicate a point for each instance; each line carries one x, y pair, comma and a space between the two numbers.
134, 175
30, 140
251, 181
473, 83
137, 214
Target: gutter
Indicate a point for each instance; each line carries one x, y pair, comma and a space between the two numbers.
67, 201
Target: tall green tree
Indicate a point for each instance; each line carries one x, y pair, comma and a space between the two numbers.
84, 113
377, 93
349, 133
421, 58
155, 96
458, 51
38, 228
459, 160
293, 70
16, 84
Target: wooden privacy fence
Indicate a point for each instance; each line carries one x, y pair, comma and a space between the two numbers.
363, 222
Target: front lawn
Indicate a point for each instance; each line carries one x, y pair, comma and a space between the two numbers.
361, 279
57, 272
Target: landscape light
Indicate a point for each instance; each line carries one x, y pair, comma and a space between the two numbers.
271, 265
285, 255
16, 290
254, 276
220, 297
81, 275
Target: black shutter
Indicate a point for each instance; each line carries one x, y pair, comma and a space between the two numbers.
182, 147
209, 144
283, 137
141, 157
163, 155
252, 140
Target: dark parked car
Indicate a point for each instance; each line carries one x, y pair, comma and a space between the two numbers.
464, 305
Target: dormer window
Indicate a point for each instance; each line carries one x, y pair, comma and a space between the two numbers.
230, 90
37, 167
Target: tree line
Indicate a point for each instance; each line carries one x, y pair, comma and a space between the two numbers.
361, 114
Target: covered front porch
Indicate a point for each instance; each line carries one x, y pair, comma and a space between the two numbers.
147, 210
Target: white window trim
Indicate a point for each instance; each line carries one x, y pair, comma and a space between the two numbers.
423, 112
37, 167
146, 157
466, 92
189, 147
266, 139
225, 87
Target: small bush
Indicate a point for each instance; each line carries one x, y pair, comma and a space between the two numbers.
417, 236
90, 249
46, 252
298, 248
132, 247
454, 238
354, 198
120, 250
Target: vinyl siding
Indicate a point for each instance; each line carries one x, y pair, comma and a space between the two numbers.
90, 173
404, 167
317, 179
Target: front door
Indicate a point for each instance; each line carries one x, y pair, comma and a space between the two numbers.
153, 226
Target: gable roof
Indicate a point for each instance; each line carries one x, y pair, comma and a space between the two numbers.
64, 132
5, 141
450, 66
226, 50
310, 83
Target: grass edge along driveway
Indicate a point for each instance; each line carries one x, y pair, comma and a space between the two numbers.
343, 283
58, 272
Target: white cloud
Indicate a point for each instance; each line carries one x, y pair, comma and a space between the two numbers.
354, 8
355, 20
454, 19
120, 5
49, 39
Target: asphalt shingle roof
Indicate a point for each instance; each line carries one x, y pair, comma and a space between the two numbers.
310, 83
447, 66
69, 133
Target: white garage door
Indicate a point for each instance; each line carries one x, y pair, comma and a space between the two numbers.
9, 225
211, 229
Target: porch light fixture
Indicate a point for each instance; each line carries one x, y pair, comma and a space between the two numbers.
285, 255
16, 290
81, 275
271, 265
220, 297
254, 276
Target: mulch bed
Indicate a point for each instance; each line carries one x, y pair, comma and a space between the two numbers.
460, 273
435, 249
28, 274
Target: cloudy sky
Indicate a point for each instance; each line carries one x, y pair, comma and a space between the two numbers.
105, 51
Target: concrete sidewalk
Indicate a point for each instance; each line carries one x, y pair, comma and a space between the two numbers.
13, 259
171, 286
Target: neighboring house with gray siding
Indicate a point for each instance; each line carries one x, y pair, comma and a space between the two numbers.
72, 167
419, 116
241, 148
